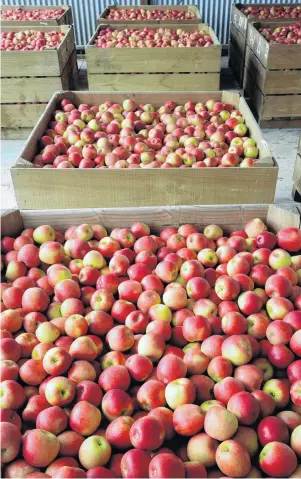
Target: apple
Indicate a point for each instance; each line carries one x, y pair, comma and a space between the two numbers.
220, 424
40, 447
277, 459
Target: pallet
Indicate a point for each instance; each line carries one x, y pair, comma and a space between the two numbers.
230, 218
272, 78
24, 99
190, 8
56, 188
64, 19
150, 69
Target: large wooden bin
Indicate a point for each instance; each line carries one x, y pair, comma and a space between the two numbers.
64, 19
30, 78
238, 35
154, 69
272, 78
45, 188
103, 18
230, 218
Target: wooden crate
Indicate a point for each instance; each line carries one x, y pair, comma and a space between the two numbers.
88, 188
64, 19
238, 36
29, 79
190, 8
230, 218
272, 78
152, 69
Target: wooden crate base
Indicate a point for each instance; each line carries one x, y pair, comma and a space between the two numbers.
154, 81
278, 123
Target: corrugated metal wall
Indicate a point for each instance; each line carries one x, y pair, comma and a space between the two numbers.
85, 12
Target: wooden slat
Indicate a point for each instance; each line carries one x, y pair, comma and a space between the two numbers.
55, 189
230, 218
154, 81
283, 216
279, 123
236, 62
154, 60
23, 115
282, 106
49, 62
15, 133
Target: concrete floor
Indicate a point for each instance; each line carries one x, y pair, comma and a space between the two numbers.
282, 142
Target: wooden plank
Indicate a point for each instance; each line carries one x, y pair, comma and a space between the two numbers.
239, 19
282, 106
15, 133
190, 8
283, 216
278, 123
154, 81
230, 218
49, 62
154, 60
54, 189
24, 115
64, 19
273, 56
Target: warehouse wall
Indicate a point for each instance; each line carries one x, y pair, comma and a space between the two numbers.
85, 12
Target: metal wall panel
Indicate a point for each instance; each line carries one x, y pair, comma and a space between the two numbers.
85, 12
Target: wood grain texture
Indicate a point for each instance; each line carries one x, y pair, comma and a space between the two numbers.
282, 106
154, 81
190, 8
272, 81
230, 218
280, 123
49, 62
105, 188
24, 115
154, 60
15, 133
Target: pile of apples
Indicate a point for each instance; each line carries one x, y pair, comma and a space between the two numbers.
137, 355
30, 40
288, 34
150, 15
152, 38
281, 11
31, 15
111, 135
